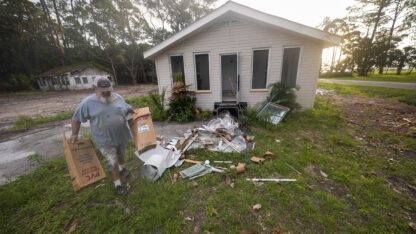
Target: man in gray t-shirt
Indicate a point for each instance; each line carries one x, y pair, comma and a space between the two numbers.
107, 113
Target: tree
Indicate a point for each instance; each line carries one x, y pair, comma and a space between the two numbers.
403, 58
173, 15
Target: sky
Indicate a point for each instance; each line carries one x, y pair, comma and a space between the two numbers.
307, 12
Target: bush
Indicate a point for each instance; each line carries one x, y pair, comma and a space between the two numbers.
335, 74
17, 82
283, 95
203, 115
181, 103
146, 101
158, 102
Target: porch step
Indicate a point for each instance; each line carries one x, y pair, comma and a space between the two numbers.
232, 106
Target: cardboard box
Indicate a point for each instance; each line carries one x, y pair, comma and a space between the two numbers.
143, 131
83, 164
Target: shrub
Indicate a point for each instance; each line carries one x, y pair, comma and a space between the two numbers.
181, 103
158, 102
284, 95
335, 74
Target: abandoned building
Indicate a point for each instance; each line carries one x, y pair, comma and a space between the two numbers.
233, 54
71, 77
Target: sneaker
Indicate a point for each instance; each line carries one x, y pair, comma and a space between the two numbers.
120, 190
124, 173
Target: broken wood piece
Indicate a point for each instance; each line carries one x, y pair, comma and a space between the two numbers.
407, 120
268, 155
175, 177
257, 207
192, 161
182, 142
249, 138
257, 159
241, 167
271, 180
231, 144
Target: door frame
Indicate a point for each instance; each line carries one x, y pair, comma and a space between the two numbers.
237, 54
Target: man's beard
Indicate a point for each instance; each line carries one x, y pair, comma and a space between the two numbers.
106, 100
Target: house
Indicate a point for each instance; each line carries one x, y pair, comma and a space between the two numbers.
71, 77
234, 53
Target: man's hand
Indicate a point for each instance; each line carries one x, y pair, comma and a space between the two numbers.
75, 130
74, 139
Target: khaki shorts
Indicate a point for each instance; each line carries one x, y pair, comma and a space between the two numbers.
110, 153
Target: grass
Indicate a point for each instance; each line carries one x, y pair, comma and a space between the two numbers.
354, 198
401, 95
404, 78
25, 122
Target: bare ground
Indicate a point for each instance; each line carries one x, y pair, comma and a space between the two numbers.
395, 120
52, 102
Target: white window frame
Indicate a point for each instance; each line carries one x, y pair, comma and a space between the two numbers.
86, 78
75, 80
209, 72
269, 49
299, 62
170, 67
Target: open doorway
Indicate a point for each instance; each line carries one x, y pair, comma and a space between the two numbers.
229, 77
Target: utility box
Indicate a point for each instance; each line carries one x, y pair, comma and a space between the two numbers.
83, 164
142, 130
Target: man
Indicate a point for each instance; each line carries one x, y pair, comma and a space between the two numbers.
107, 113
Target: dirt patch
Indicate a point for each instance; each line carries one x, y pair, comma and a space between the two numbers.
402, 186
50, 103
377, 113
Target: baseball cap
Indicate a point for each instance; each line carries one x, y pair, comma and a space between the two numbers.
103, 84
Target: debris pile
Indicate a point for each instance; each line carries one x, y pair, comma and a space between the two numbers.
221, 134
324, 92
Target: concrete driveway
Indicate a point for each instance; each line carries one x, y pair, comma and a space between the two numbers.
15, 153
396, 85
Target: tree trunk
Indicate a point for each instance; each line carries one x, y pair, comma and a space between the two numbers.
400, 67
380, 70
382, 5
331, 68
61, 30
396, 14
52, 32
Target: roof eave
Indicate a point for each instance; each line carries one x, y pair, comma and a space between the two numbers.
327, 39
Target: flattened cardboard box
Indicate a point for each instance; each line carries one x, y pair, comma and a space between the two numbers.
83, 164
143, 131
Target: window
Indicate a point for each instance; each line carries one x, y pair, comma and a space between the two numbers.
260, 67
77, 80
85, 80
202, 71
176, 65
290, 66
41, 82
66, 81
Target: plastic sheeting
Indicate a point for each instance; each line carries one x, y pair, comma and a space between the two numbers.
157, 160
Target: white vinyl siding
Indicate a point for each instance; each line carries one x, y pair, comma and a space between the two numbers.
238, 35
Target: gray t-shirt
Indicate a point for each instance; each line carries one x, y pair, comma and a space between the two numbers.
108, 122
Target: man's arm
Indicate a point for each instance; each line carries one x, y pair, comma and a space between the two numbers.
75, 130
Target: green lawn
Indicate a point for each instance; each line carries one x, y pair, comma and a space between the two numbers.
354, 198
404, 78
401, 95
